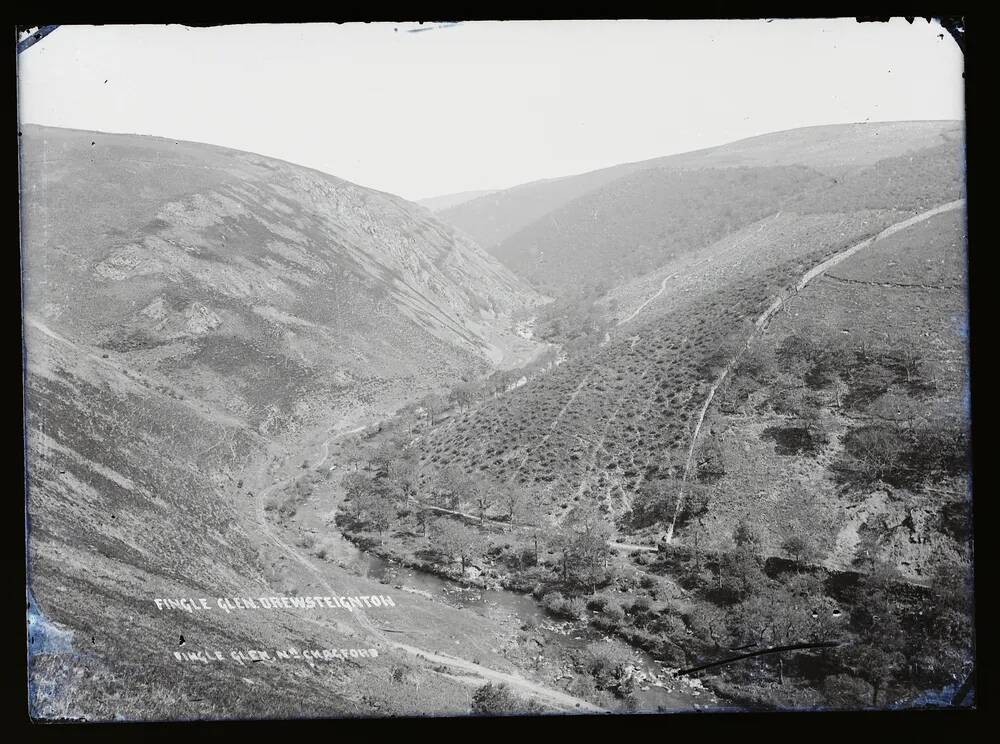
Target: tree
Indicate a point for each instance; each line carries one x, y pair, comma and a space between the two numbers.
385, 454
906, 354
483, 493
356, 484
709, 622
747, 536
741, 574
371, 503
589, 543
457, 541
801, 548
531, 515
433, 405
450, 487
562, 540
401, 476
877, 653
499, 382
423, 516
655, 502
510, 497
463, 395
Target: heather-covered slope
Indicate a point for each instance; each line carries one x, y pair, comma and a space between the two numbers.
187, 311
211, 264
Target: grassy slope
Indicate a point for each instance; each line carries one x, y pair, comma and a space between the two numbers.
184, 305
494, 218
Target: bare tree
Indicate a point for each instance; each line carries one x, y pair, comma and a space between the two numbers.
457, 541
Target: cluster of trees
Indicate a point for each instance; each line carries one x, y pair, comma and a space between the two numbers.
456, 510
819, 366
386, 499
909, 439
905, 455
377, 496
391, 493
658, 499
581, 547
890, 634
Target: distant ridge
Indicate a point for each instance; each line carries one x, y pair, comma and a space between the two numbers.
830, 149
447, 201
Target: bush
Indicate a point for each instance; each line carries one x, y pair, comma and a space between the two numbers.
608, 663
611, 619
670, 626
498, 700
597, 603
569, 607
641, 606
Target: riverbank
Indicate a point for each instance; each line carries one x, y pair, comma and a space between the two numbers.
648, 679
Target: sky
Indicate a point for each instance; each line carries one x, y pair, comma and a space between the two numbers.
422, 111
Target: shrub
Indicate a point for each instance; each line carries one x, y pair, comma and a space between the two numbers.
568, 607
597, 603
611, 619
608, 663
495, 700
641, 606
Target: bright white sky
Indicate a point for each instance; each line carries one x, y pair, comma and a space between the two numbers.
486, 104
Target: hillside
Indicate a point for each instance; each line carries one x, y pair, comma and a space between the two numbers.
831, 150
641, 221
206, 265
742, 422
635, 223
762, 441
612, 415
190, 313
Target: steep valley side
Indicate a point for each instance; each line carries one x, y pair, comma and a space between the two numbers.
193, 316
